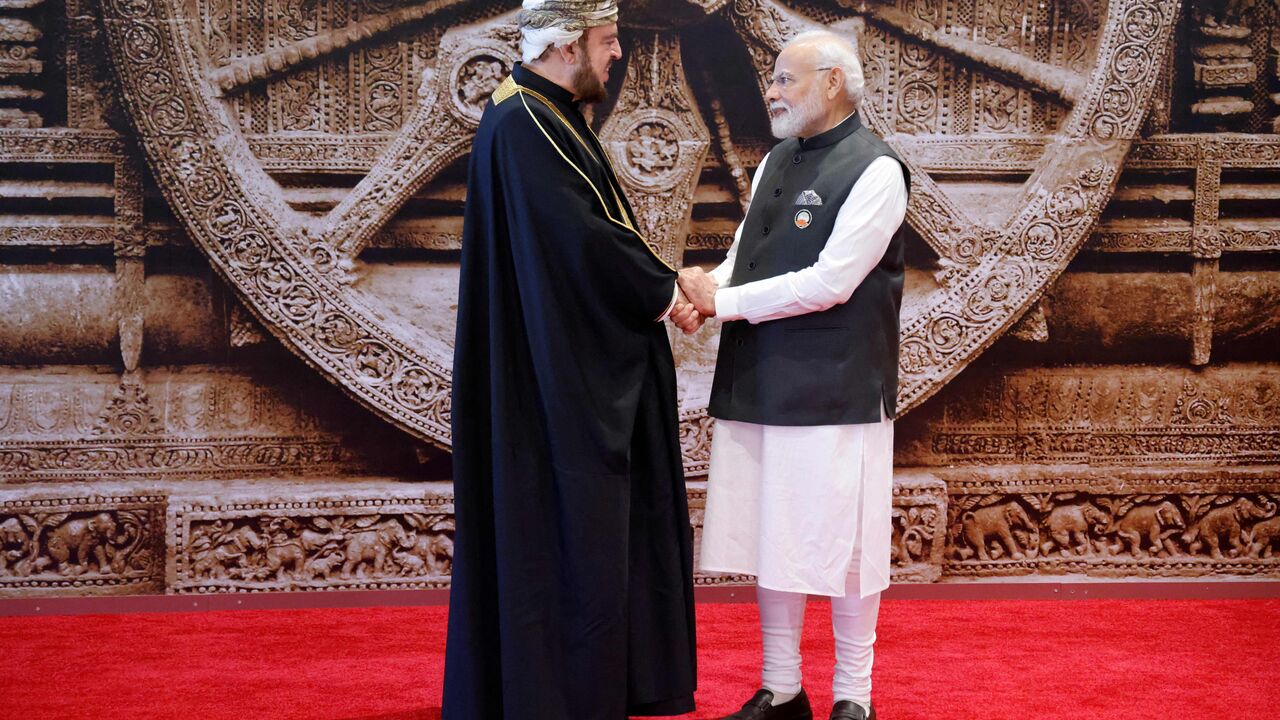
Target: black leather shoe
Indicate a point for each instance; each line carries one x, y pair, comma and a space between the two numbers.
761, 707
850, 710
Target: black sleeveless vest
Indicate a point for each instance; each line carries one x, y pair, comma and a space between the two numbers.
835, 367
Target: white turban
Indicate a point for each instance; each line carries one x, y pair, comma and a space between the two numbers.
556, 23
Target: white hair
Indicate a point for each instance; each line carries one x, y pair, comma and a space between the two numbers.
836, 51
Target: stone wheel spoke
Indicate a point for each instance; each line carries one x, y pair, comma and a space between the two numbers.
427, 143
657, 142
471, 63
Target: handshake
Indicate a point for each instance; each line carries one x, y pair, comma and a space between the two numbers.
696, 300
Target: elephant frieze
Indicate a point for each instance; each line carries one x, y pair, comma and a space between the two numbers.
372, 546
1154, 523
1069, 527
1225, 523
996, 524
76, 543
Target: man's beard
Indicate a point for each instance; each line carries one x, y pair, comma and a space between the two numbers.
586, 86
794, 119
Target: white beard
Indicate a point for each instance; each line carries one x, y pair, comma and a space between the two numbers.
793, 120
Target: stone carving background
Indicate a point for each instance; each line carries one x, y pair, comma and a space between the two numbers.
228, 247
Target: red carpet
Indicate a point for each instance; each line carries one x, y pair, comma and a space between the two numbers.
1025, 660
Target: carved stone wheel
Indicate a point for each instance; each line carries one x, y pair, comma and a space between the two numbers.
382, 331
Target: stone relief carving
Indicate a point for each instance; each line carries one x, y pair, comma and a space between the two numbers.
189, 425
336, 541
366, 538
1164, 533
1223, 416
253, 146
272, 256
286, 549
82, 545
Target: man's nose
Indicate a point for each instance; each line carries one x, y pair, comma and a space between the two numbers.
772, 94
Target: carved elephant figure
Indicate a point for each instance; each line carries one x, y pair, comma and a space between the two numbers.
1225, 522
1069, 526
325, 564
76, 542
285, 557
998, 522
373, 544
410, 564
1264, 538
1155, 523
438, 552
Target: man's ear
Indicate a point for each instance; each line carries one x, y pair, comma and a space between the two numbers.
835, 83
569, 52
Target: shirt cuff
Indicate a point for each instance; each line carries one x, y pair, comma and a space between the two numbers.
727, 302
675, 295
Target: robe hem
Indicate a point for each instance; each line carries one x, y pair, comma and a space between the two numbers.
680, 705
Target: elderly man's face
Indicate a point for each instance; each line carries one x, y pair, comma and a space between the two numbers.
796, 97
599, 47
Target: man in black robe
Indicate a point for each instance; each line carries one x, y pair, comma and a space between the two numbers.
572, 594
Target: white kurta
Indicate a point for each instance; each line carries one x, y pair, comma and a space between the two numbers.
790, 504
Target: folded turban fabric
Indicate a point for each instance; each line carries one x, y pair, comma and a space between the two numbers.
555, 23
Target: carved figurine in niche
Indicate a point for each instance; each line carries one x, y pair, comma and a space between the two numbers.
75, 543
479, 78
1069, 528
1225, 523
371, 544
1264, 538
1154, 523
992, 528
655, 148
17, 546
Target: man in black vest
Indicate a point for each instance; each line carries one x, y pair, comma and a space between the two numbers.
800, 491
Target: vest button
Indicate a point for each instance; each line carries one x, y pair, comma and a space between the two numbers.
738, 342
797, 159
751, 265
765, 230
777, 192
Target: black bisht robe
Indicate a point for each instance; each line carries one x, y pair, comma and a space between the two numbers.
572, 594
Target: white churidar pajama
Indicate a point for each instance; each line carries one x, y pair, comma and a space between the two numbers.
808, 510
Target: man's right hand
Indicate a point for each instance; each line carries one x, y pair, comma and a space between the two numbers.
700, 288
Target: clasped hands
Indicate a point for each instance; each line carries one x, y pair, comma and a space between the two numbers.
696, 300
